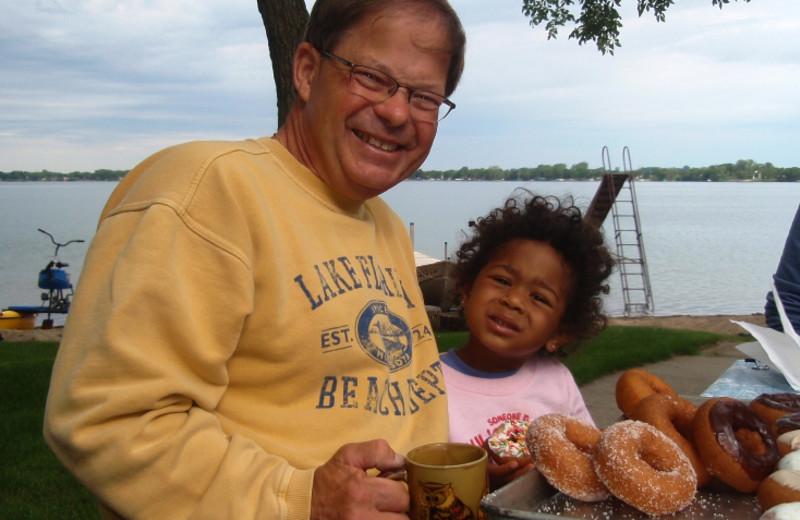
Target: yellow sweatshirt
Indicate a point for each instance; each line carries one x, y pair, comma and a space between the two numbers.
235, 323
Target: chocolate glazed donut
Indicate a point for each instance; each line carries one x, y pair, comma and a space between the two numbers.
787, 423
736, 444
772, 407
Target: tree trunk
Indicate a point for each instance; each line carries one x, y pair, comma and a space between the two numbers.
284, 21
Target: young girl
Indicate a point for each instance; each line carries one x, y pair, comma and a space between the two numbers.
530, 279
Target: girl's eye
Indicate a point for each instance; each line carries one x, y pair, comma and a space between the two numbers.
501, 280
539, 298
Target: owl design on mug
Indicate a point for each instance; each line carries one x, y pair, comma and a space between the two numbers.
439, 502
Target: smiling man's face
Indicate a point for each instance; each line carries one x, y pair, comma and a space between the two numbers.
360, 148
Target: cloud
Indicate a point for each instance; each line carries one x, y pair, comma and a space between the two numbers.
113, 77
91, 84
708, 86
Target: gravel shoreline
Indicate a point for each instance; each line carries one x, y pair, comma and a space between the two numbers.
718, 324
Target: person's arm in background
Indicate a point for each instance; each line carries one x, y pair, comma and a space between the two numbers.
787, 281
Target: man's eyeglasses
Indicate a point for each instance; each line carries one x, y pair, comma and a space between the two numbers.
377, 87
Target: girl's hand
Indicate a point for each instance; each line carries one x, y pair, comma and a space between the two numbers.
502, 474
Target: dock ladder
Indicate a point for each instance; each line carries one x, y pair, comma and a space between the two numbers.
616, 194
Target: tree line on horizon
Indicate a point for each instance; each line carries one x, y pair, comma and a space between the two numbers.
742, 170
50, 176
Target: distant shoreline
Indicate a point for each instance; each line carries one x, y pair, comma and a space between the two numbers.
740, 171
412, 179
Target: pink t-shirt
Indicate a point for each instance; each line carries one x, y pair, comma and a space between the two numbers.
478, 403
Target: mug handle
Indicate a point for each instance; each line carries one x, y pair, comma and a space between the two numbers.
395, 474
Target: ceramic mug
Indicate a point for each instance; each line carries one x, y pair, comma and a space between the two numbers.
446, 480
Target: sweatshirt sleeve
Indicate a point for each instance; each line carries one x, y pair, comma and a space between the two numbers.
141, 367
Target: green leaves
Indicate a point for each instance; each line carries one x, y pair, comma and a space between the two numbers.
597, 21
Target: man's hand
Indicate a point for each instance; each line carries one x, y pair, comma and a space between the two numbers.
342, 489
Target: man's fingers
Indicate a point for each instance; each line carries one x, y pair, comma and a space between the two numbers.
389, 495
374, 454
342, 488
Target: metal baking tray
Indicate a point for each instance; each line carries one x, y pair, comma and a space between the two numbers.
530, 497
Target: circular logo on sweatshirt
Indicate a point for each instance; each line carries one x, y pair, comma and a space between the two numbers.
386, 337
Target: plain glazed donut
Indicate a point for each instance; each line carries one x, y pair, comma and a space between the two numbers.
789, 441
636, 384
561, 448
779, 487
734, 442
673, 417
788, 511
789, 461
772, 407
507, 443
642, 467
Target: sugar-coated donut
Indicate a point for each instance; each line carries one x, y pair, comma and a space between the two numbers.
734, 442
787, 511
787, 423
772, 407
789, 441
561, 448
507, 442
636, 384
673, 417
642, 467
778, 488
790, 461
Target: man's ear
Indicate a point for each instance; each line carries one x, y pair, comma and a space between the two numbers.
304, 69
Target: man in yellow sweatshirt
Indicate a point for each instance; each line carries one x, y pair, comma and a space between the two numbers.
248, 340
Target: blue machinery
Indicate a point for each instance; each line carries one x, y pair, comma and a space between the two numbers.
55, 281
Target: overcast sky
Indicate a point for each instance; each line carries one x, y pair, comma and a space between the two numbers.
91, 84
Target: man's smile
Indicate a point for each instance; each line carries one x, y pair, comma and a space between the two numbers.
387, 147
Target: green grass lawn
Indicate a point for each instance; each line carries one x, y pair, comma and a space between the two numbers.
619, 348
35, 486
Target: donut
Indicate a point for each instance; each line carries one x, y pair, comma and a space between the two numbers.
642, 467
787, 423
673, 417
778, 488
735, 444
636, 384
561, 448
790, 461
787, 511
789, 441
772, 407
507, 443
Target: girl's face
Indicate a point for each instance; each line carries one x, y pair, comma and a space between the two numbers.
514, 306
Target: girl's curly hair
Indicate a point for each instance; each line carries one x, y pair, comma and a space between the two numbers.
560, 224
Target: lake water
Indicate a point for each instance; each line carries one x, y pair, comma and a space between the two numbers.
711, 248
